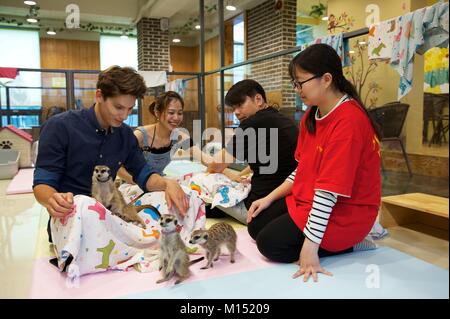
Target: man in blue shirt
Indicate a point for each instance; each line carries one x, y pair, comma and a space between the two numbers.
72, 143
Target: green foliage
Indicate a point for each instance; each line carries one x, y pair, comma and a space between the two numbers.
318, 11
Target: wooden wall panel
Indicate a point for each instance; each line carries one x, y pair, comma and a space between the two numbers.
184, 59
212, 62
66, 54
229, 46
70, 54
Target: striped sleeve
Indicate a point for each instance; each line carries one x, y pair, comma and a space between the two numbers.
319, 215
291, 177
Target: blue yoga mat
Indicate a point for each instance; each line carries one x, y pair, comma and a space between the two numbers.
381, 273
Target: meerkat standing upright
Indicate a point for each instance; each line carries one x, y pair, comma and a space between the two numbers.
173, 257
104, 190
212, 239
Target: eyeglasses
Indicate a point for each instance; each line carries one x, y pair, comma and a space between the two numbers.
298, 84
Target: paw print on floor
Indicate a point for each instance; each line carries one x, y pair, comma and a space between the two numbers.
6, 145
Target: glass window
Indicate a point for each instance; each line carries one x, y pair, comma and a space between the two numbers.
115, 50
23, 52
23, 49
238, 56
238, 39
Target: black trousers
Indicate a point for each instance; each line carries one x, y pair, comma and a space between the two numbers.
277, 236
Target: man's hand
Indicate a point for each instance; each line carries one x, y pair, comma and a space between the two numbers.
175, 196
309, 262
60, 204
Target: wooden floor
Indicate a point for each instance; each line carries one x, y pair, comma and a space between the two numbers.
420, 241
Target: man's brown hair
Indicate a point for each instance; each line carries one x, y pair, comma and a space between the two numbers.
116, 80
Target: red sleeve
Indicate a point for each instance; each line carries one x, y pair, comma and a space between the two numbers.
340, 160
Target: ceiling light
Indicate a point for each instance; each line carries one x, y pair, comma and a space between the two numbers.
32, 20
51, 32
351, 51
198, 27
325, 18
230, 6
362, 42
30, 3
32, 16
124, 35
176, 40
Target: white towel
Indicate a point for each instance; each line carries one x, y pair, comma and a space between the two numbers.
99, 241
337, 42
218, 189
397, 40
96, 239
381, 39
195, 217
154, 78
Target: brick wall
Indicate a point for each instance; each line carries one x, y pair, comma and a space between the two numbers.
153, 46
270, 31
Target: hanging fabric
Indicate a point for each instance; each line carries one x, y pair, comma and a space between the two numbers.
337, 42
154, 78
414, 32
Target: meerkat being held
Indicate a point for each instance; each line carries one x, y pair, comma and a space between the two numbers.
219, 234
104, 190
173, 257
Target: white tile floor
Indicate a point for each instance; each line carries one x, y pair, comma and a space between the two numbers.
18, 237
19, 227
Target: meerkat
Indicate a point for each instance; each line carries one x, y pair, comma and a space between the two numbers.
173, 257
104, 190
212, 239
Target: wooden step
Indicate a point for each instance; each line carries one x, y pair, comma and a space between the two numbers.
415, 208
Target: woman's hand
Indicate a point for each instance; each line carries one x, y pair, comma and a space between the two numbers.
232, 176
309, 262
215, 167
258, 206
246, 179
237, 177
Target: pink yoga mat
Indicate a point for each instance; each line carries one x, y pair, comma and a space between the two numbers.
22, 183
48, 282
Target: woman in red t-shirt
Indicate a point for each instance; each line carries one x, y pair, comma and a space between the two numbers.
330, 202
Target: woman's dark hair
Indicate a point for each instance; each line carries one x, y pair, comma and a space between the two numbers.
237, 94
319, 59
162, 102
